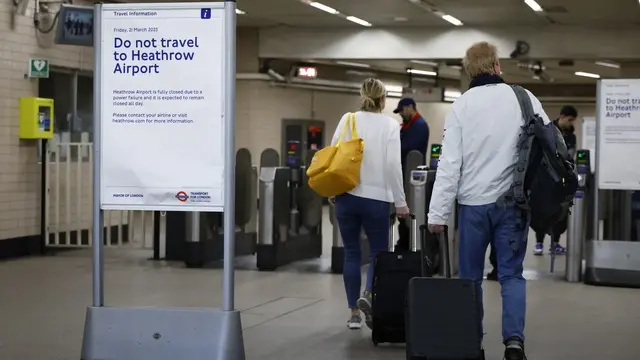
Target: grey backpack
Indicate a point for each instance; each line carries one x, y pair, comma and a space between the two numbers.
545, 179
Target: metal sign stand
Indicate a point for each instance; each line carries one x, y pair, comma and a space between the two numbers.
167, 333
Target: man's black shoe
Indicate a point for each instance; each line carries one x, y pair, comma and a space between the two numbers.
493, 275
514, 349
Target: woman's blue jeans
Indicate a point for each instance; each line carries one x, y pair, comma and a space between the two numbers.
354, 214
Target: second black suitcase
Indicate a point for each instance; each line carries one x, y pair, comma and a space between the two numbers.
443, 316
392, 271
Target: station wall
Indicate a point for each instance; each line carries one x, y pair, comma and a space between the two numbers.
20, 172
20, 183
260, 109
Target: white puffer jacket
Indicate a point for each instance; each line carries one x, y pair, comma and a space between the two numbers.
478, 149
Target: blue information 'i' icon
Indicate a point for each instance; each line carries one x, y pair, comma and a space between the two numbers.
205, 13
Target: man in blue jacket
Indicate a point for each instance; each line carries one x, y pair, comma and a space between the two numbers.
414, 135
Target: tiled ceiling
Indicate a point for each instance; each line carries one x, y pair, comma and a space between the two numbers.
609, 14
387, 13
614, 13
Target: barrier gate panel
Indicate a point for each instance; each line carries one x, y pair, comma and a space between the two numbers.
68, 211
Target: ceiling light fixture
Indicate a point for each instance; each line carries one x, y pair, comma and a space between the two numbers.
608, 64
394, 88
424, 62
422, 72
324, 8
364, 74
586, 74
424, 80
359, 21
332, 11
354, 64
533, 5
240, 12
452, 20
453, 94
394, 94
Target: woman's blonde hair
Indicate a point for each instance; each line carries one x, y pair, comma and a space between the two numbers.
372, 93
481, 58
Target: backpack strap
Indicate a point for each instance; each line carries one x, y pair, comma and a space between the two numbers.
525, 102
516, 195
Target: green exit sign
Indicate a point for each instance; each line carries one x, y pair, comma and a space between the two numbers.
38, 68
435, 148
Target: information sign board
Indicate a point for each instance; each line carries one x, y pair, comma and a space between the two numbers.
162, 107
618, 134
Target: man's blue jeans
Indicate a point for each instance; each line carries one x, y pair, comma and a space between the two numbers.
480, 226
355, 213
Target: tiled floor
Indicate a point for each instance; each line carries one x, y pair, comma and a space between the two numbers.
292, 314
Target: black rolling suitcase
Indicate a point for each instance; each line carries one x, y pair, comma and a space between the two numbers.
443, 315
392, 271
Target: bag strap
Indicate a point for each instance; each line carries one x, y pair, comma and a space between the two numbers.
525, 143
354, 130
524, 146
351, 125
516, 195
525, 102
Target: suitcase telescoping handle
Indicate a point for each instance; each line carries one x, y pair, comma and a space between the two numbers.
392, 237
446, 262
443, 239
392, 234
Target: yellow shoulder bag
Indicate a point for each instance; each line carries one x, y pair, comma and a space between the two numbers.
335, 170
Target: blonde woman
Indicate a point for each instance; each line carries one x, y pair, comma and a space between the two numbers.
367, 205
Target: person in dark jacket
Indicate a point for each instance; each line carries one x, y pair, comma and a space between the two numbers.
564, 122
414, 135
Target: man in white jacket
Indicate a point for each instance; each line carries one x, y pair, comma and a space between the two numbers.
479, 154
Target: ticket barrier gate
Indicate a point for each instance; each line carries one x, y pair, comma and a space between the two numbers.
577, 222
417, 198
422, 181
198, 238
290, 218
613, 258
613, 262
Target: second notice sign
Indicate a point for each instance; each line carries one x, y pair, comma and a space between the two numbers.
619, 134
162, 107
